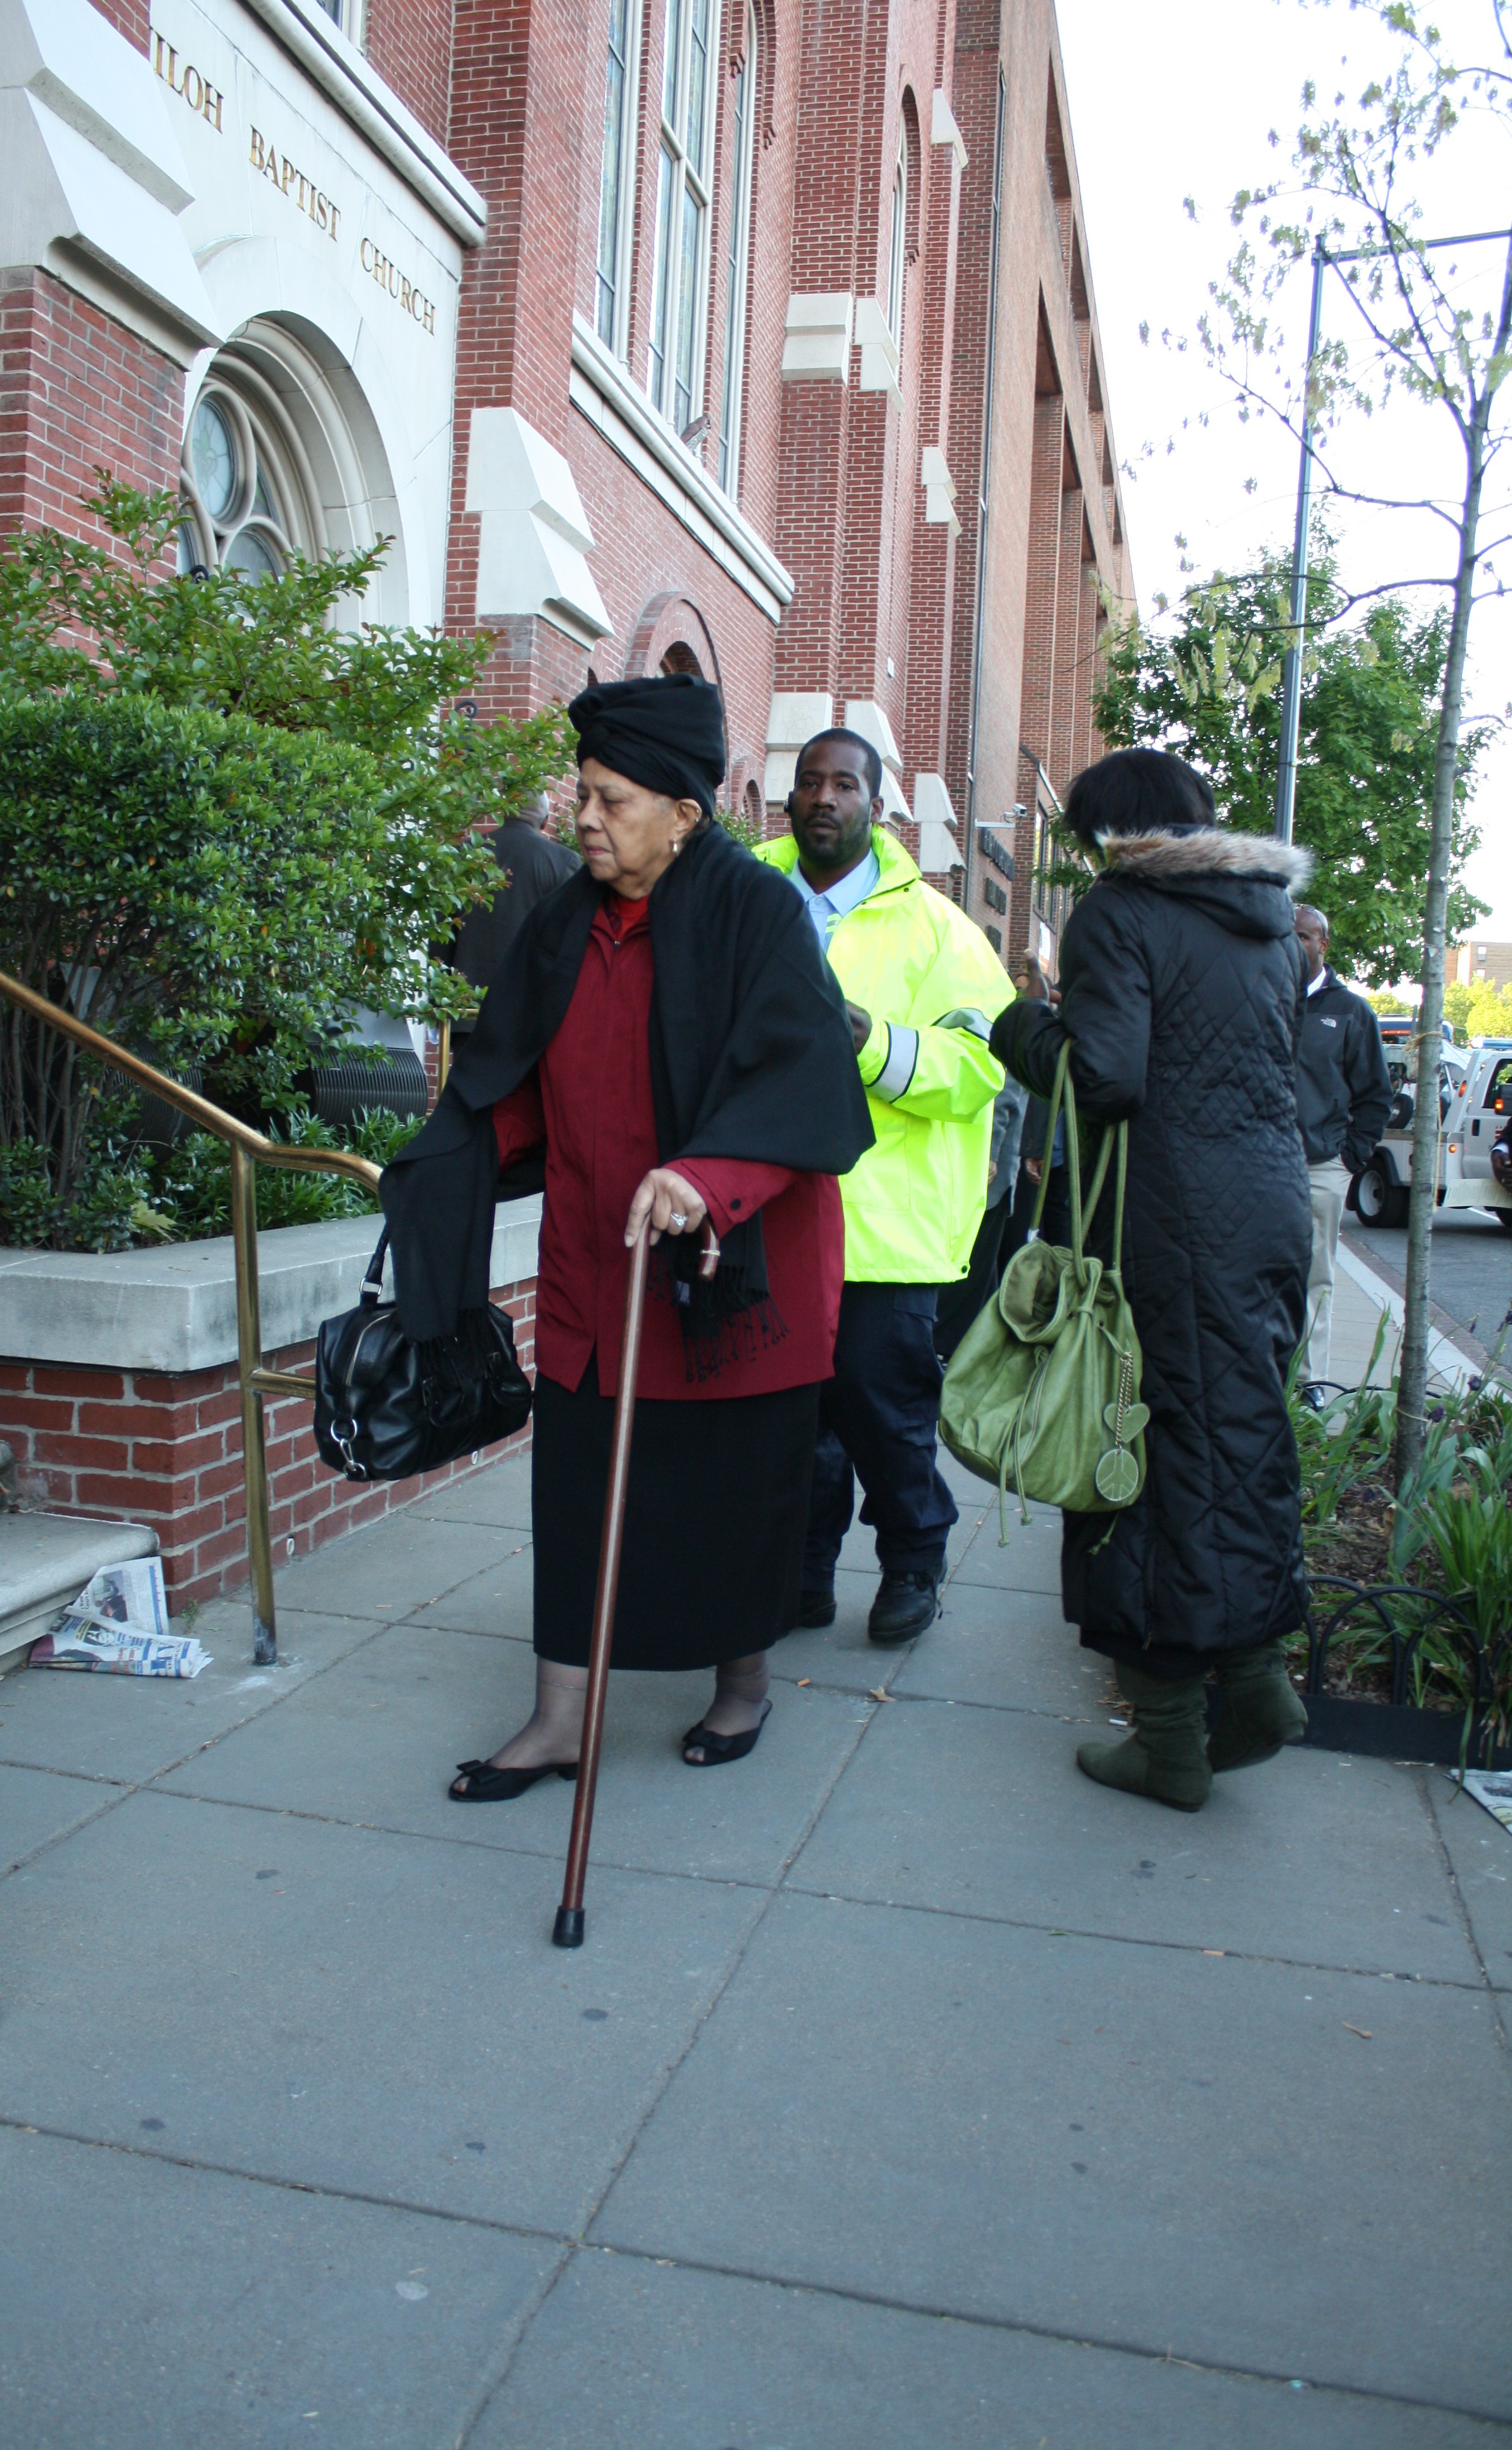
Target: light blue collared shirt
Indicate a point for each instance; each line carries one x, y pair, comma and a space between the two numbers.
828, 908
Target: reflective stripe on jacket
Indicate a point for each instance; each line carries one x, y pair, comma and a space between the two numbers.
933, 987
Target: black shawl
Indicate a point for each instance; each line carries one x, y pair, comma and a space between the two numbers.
751, 1057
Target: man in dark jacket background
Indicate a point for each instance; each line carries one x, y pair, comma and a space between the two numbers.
531, 865
1344, 1095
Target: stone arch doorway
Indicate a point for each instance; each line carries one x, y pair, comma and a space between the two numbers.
671, 635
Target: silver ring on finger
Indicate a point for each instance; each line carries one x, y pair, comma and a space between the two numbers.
677, 1221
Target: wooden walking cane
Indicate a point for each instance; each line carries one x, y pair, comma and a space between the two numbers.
568, 1930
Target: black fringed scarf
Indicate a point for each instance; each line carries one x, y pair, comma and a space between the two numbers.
751, 1057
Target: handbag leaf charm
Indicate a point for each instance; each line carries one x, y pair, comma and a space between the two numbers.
1118, 1474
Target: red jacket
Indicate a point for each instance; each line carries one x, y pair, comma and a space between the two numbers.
590, 1100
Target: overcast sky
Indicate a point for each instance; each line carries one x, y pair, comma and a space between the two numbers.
1175, 98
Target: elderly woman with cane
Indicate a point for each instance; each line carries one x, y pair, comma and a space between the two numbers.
666, 1032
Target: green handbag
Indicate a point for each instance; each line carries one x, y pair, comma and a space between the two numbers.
1043, 1392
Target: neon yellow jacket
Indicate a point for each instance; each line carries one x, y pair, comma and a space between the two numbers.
933, 987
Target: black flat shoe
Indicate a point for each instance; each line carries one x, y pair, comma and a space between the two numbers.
486, 1785
723, 1748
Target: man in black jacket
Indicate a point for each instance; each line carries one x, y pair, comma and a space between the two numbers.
532, 865
1344, 1093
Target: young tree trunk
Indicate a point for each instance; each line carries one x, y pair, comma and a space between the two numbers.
1413, 1386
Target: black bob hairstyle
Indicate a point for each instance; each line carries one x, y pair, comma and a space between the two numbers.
870, 755
1138, 791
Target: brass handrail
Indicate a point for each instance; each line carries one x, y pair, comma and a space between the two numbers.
250, 1149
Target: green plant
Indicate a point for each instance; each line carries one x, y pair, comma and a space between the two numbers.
1207, 683
232, 820
746, 830
197, 887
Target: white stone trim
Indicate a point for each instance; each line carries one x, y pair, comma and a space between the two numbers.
879, 351
342, 73
533, 537
602, 391
796, 715
940, 490
935, 814
864, 716
816, 345
943, 127
174, 1310
94, 179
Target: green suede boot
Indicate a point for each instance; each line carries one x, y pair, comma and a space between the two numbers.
1261, 1710
1166, 1758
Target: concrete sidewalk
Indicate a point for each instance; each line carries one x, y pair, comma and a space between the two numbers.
910, 2093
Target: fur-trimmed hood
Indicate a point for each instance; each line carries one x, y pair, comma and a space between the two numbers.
1244, 882
1203, 850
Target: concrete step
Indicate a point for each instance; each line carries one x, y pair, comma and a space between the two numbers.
46, 1560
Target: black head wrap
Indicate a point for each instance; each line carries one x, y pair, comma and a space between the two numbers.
667, 734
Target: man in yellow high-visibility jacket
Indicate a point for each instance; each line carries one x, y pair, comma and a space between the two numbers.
924, 987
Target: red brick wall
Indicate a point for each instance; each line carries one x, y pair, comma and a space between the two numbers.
77, 391
166, 1451
129, 18
409, 41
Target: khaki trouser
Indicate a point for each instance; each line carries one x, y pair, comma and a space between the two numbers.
1329, 1185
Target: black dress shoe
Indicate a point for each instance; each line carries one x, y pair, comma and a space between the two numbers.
814, 1610
478, 1781
905, 1605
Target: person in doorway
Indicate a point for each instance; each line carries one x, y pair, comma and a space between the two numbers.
1181, 982
531, 865
960, 1303
1344, 1096
666, 1026
922, 985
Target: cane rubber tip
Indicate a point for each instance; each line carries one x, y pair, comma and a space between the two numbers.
569, 1929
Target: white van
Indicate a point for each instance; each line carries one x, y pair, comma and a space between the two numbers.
1475, 1100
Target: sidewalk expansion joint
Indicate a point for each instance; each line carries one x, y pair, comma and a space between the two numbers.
659, 2090
571, 2244
1281, 2377
1131, 1939
128, 1787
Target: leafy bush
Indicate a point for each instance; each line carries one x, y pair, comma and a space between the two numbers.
235, 819
195, 886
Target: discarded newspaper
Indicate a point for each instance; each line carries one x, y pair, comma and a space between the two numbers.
1492, 1788
119, 1623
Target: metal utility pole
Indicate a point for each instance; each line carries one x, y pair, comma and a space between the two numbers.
1292, 667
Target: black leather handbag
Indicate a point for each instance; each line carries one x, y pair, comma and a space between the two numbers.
386, 1408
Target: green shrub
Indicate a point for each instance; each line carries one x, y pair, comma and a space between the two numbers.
236, 818
197, 885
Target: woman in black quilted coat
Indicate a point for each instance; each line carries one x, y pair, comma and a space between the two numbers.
1181, 981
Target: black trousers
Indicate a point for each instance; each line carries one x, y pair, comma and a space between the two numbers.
1055, 1226
877, 1422
960, 1302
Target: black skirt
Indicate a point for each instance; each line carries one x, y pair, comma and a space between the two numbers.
714, 1524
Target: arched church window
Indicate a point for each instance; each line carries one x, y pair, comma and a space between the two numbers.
681, 286
241, 487
897, 257
742, 119
616, 174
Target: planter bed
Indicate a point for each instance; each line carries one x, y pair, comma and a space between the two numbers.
1373, 1638
119, 1391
